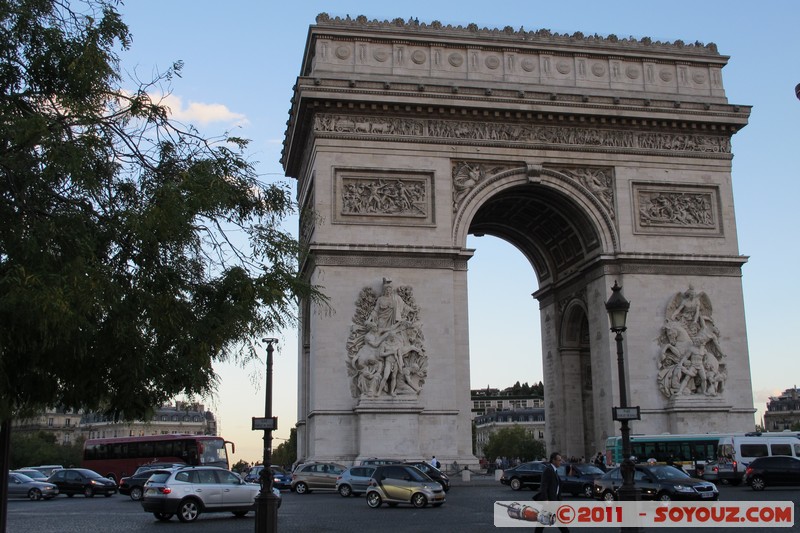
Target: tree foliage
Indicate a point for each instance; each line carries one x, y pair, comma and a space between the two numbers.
285, 454
513, 442
134, 252
41, 448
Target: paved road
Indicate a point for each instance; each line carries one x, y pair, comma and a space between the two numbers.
469, 509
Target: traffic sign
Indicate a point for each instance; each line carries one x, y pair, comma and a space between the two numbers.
626, 413
265, 423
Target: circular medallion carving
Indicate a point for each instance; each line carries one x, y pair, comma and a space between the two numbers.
563, 67
492, 62
599, 70
665, 75
418, 57
380, 54
632, 72
528, 65
455, 59
343, 52
699, 78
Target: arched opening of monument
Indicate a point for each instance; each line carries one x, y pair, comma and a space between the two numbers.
556, 237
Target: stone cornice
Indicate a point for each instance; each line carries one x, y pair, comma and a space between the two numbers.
511, 37
388, 256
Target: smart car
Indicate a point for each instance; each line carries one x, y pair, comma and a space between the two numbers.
395, 484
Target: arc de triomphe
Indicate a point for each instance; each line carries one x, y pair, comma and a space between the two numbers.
601, 159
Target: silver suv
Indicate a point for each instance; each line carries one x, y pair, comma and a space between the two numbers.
193, 490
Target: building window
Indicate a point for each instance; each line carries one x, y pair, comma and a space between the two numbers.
67, 422
50, 422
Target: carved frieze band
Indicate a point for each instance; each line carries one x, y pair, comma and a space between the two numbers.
433, 130
676, 209
684, 268
369, 195
390, 261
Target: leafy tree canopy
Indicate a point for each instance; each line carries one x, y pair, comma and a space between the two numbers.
134, 252
513, 442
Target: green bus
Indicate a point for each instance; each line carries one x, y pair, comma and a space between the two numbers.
687, 451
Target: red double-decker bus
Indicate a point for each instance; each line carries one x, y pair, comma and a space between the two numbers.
118, 457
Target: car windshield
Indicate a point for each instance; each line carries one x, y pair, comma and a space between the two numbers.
159, 477
417, 475
23, 478
589, 469
91, 474
668, 472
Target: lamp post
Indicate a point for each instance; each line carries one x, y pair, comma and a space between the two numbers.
266, 501
617, 307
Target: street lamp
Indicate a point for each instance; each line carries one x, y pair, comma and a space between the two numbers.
617, 307
266, 501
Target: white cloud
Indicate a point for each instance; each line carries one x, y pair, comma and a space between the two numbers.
202, 113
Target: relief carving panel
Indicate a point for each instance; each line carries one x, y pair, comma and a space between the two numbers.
364, 196
666, 209
386, 348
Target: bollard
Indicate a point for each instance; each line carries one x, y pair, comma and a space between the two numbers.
498, 474
466, 474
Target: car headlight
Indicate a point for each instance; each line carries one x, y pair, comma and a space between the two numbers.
683, 488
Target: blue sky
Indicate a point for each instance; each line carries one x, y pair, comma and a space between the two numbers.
242, 58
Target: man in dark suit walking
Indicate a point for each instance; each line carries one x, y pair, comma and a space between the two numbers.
550, 488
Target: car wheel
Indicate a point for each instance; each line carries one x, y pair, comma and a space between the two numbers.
188, 510
663, 497
609, 496
240, 514
35, 495
758, 483
136, 494
419, 500
301, 488
374, 500
88, 492
516, 484
345, 491
588, 491
164, 517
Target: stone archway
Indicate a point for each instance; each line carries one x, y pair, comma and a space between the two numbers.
599, 159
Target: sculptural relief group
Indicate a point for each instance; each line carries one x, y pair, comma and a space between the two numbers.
385, 349
691, 360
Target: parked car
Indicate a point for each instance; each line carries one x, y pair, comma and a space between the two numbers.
354, 480
47, 470
281, 479
433, 473
157, 466
193, 490
578, 478
133, 486
774, 470
315, 476
72, 481
374, 461
658, 482
22, 486
399, 483
35, 475
524, 475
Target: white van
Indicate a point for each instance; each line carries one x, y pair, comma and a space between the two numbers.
735, 453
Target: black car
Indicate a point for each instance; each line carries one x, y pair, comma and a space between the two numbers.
72, 481
524, 475
774, 470
659, 482
432, 472
133, 486
578, 478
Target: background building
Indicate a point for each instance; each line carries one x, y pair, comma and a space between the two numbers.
783, 412
495, 409
180, 417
